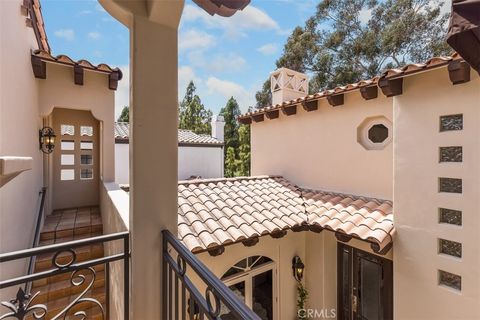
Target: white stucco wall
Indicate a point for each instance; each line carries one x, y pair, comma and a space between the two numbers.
206, 162
319, 149
19, 125
417, 198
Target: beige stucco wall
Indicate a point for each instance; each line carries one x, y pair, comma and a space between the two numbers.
19, 125
319, 149
416, 148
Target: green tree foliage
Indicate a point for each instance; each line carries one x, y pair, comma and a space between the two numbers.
125, 115
192, 113
230, 113
338, 46
243, 162
230, 163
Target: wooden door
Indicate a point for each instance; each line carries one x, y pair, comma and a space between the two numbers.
75, 168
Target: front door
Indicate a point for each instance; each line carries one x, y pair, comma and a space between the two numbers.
75, 167
365, 285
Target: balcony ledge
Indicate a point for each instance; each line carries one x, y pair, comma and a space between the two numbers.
14, 165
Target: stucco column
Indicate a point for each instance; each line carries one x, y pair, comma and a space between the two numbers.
153, 158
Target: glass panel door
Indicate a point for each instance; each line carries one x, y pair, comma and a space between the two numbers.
262, 295
239, 290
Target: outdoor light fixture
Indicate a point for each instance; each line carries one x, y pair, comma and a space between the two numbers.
298, 268
46, 138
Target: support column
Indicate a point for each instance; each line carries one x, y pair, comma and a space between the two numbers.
153, 158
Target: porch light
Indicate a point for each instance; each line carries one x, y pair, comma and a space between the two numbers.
47, 140
298, 268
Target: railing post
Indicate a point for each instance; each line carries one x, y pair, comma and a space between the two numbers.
164, 278
126, 277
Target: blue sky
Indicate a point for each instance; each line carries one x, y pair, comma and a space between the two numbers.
224, 56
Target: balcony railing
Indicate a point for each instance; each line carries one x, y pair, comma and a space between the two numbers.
182, 299
82, 275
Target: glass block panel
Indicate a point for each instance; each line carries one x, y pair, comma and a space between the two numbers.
67, 160
86, 145
450, 185
451, 154
450, 216
378, 133
451, 122
67, 145
67, 174
451, 280
86, 131
67, 129
86, 159
452, 248
86, 174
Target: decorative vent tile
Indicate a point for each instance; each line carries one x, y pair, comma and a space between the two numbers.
451, 154
450, 185
451, 280
452, 248
450, 216
451, 122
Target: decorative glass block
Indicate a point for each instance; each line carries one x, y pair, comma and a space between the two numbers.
86, 159
451, 122
86, 174
86, 131
451, 280
450, 185
450, 216
451, 154
452, 248
67, 129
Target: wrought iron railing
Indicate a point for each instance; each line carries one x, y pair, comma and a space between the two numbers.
181, 297
82, 277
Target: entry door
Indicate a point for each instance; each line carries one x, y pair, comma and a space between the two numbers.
365, 285
75, 167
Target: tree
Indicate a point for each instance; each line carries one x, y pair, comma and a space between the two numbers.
230, 113
192, 113
243, 162
125, 115
354, 47
230, 163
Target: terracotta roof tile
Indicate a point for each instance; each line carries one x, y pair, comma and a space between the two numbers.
186, 137
408, 69
216, 212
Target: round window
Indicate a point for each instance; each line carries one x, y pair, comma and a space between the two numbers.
374, 133
378, 133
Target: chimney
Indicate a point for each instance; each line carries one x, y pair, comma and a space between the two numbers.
286, 84
218, 125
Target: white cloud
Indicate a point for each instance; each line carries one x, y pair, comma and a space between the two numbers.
122, 95
185, 75
250, 18
268, 49
94, 35
83, 12
229, 89
67, 34
217, 63
193, 39
364, 15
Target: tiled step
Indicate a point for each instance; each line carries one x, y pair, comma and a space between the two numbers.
62, 276
84, 253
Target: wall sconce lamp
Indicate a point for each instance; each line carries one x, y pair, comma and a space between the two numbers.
46, 138
298, 268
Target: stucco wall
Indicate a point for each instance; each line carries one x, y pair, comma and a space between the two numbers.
206, 162
279, 250
19, 125
319, 149
417, 140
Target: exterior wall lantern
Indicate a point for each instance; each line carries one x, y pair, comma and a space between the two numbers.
46, 138
298, 268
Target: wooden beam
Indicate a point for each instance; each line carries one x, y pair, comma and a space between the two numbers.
392, 87
315, 228
376, 248
39, 68
310, 105
259, 117
272, 114
369, 92
214, 252
342, 237
250, 242
278, 234
113, 80
458, 71
335, 100
300, 228
245, 120
289, 110
78, 73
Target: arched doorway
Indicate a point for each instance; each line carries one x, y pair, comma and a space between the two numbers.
253, 280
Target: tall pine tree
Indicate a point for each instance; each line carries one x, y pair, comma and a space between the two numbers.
192, 113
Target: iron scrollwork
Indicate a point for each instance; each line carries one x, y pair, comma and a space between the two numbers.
21, 306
